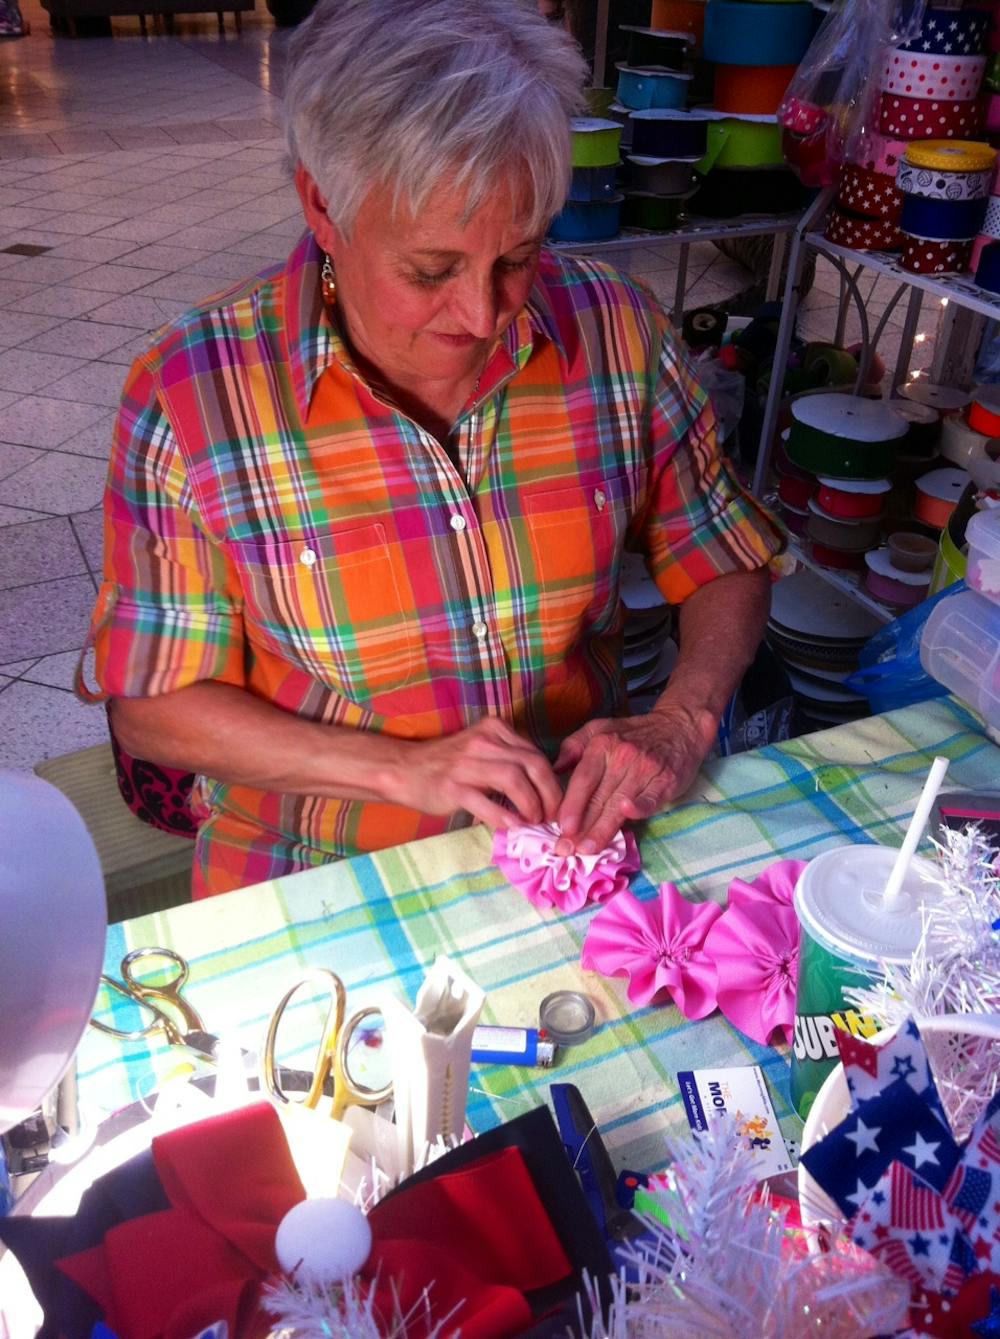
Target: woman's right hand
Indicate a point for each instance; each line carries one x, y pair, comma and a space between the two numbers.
474, 770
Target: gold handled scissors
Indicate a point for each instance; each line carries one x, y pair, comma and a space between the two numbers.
340, 1036
180, 1022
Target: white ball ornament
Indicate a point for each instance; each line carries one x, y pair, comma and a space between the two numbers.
323, 1241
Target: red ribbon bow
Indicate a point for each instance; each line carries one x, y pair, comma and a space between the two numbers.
479, 1238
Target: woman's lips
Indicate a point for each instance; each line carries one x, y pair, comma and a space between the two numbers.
456, 341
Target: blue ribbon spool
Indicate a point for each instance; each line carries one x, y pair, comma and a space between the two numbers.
988, 270
663, 134
942, 220
643, 89
587, 221
742, 32
952, 32
594, 183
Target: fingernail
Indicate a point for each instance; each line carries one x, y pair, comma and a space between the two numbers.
563, 847
588, 847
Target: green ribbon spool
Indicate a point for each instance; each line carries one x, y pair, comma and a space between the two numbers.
830, 365
595, 141
843, 437
992, 78
736, 143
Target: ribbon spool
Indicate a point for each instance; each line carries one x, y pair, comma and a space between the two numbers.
679, 16
736, 143
704, 328
991, 224
922, 255
932, 185
860, 234
593, 183
839, 560
961, 444
945, 399
912, 74
595, 142
952, 156
795, 518
754, 90
666, 134
951, 32
795, 492
937, 496
991, 80
942, 220
923, 426
842, 437
984, 412
645, 89
657, 213
829, 365
661, 176
892, 584
847, 536
655, 48
988, 268
993, 113
881, 154
746, 32
587, 221
865, 192
853, 499
978, 247
927, 118
730, 192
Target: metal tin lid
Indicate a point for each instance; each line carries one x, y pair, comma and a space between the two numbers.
567, 1017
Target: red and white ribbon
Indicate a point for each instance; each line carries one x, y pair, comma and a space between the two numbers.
928, 118
869, 194
862, 234
923, 256
915, 74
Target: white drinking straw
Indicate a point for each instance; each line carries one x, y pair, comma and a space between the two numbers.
892, 894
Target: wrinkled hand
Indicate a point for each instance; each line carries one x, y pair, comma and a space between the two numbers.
474, 770
628, 768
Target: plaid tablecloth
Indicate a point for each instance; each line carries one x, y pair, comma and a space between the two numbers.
380, 921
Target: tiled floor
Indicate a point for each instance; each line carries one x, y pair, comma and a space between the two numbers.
151, 171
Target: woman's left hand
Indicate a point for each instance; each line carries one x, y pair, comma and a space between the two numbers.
628, 768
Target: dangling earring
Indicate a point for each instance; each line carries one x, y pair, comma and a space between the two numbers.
329, 281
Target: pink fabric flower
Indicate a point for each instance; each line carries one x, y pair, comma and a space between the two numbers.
526, 855
658, 945
755, 948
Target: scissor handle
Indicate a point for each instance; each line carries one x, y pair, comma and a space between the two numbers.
170, 991
331, 1056
160, 1021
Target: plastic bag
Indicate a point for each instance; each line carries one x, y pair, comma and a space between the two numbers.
726, 390
890, 674
832, 93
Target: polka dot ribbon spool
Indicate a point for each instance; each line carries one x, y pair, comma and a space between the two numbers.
947, 78
867, 193
951, 32
922, 255
991, 224
861, 234
928, 118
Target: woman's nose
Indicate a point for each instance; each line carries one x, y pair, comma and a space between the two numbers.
475, 306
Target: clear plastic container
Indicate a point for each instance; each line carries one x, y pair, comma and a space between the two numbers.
960, 647
983, 535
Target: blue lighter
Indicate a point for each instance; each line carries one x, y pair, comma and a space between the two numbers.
511, 1046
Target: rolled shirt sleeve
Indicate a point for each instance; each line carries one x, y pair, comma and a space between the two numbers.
699, 523
169, 612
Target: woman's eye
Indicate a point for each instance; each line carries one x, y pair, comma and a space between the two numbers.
512, 266
429, 280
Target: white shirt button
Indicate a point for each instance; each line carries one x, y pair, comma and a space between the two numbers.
457, 522
600, 498
308, 558
479, 630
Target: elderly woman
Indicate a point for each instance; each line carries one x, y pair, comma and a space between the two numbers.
366, 511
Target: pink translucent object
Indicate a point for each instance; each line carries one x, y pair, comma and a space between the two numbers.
527, 856
659, 946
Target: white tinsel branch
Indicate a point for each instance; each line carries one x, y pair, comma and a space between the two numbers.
722, 1270
305, 1310
955, 969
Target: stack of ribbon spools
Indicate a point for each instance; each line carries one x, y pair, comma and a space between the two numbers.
946, 190
592, 212
929, 91
756, 46
656, 78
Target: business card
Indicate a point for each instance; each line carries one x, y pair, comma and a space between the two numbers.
739, 1092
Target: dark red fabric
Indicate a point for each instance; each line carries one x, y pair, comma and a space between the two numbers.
478, 1238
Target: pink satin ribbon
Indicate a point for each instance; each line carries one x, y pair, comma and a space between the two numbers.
528, 858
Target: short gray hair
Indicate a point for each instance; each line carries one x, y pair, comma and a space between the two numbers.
403, 93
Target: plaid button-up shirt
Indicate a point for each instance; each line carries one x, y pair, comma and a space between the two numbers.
274, 522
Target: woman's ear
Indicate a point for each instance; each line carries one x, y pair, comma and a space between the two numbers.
314, 208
